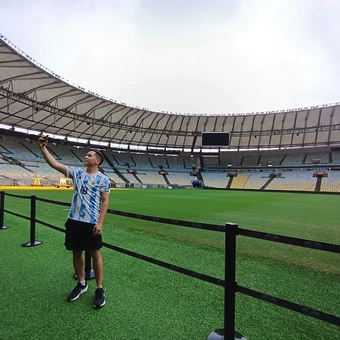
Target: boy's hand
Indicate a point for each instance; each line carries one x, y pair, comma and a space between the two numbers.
97, 229
43, 140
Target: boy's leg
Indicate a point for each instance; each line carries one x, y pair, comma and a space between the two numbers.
78, 264
98, 266
81, 287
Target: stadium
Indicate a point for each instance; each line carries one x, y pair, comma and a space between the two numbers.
292, 152
297, 149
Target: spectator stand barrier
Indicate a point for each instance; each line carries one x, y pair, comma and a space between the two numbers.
231, 287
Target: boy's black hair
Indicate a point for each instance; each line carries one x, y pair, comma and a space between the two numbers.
100, 154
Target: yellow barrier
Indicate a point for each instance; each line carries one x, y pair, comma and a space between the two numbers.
28, 187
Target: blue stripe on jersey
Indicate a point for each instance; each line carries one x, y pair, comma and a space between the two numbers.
73, 205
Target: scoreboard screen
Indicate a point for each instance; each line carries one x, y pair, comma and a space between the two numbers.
217, 139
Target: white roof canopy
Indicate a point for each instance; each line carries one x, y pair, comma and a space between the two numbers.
34, 98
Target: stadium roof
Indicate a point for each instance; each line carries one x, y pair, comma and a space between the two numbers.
35, 98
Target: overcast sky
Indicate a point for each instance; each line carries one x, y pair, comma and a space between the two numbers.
187, 56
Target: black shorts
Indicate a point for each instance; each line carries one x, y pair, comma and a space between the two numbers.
79, 236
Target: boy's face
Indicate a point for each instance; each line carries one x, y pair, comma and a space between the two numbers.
91, 159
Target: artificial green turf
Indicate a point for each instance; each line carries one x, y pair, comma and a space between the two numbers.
148, 302
309, 216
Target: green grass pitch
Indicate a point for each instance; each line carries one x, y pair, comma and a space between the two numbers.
147, 302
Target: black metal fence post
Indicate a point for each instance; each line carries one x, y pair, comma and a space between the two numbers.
89, 272
2, 211
230, 289
32, 242
230, 281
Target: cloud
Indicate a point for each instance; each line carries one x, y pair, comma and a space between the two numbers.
201, 57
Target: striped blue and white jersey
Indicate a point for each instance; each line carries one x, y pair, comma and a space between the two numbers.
87, 189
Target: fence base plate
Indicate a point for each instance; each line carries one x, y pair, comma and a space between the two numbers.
29, 244
218, 334
88, 276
